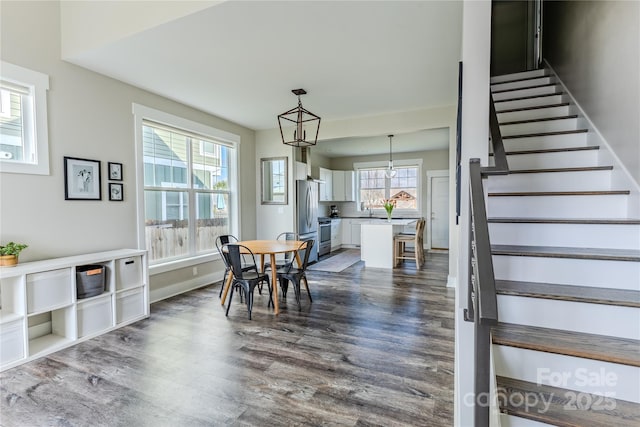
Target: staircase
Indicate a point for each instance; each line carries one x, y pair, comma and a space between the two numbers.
566, 258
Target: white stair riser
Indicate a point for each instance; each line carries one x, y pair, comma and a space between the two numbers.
568, 271
559, 159
518, 76
521, 83
538, 113
568, 372
599, 180
544, 142
598, 206
530, 102
613, 236
539, 127
515, 421
533, 91
615, 321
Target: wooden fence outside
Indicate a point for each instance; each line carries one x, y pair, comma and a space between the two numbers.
169, 241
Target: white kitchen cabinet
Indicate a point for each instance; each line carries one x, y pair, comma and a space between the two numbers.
326, 187
351, 231
338, 186
336, 233
355, 233
343, 185
346, 231
40, 312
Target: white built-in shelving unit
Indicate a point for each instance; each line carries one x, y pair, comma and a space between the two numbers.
40, 312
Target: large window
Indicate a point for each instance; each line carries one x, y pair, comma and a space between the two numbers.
189, 191
23, 120
374, 187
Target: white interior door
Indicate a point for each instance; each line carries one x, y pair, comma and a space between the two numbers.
439, 212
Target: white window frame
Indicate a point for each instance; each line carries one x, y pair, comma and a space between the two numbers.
142, 113
39, 85
383, 165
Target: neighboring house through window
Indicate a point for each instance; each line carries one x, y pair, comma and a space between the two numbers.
24, 146
374, 187
190, 185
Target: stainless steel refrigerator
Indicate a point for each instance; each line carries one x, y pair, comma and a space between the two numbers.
307, 213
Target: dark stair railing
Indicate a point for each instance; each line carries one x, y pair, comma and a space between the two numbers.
482, 306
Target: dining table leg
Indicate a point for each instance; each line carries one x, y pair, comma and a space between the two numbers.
274, 284
226, 285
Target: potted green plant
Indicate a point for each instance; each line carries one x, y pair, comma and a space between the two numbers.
9, 253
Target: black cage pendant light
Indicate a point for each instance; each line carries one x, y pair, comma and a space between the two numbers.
390, 172
305, 124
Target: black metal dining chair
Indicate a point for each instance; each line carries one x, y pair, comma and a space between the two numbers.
220, 242
247, 277
294, 275
288, 256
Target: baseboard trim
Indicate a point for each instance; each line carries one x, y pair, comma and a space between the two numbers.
165, 292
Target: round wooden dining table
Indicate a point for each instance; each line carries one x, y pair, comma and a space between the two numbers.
271, 248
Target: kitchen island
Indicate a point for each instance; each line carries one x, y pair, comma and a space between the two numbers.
376, 247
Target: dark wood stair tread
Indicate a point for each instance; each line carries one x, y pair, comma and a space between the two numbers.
561, 193
536, 107
574, 169
563, 407
606, 221
567, 252
524, 88
552, 150
522, 98
540, 134
574, 293
522, 79
624, 351
541, 119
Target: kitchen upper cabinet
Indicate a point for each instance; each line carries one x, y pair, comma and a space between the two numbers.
326, 188
343, 186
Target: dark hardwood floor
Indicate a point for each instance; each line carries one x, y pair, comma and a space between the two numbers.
375, 348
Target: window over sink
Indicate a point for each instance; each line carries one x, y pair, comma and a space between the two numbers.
374, 187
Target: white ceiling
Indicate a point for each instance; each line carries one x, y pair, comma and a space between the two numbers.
239, 60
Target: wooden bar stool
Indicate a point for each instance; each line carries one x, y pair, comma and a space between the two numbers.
400, 241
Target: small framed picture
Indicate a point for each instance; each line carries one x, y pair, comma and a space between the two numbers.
115, 171
116, 192
82, 179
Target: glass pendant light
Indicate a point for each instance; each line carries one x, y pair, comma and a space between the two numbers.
390, 172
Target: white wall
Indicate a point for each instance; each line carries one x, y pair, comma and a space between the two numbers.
476, 42
90, 116
594, 46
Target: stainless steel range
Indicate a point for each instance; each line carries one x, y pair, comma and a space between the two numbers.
324, 233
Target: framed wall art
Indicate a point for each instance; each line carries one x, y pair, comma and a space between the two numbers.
115, 171
82, 179
116, 192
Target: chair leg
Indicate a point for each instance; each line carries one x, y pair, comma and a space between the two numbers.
270, 293
284, 286
230, 298
224, 280
306, 285
296, 289
249, 298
